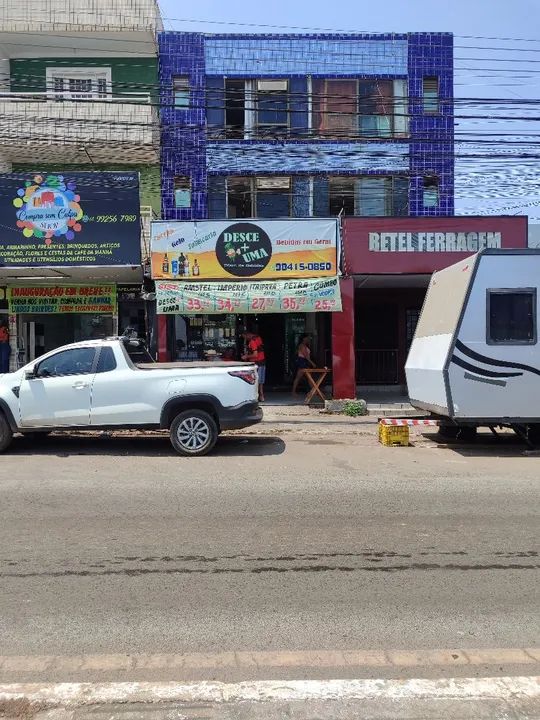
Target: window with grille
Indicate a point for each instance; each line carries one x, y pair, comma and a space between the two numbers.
430, 87
79, 83
181, 92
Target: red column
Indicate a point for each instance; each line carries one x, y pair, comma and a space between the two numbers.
162, 350
343, 350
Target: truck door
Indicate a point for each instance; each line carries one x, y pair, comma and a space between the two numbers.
58, 393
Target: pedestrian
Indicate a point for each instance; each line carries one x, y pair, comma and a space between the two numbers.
302, 360
5, 348
255, 353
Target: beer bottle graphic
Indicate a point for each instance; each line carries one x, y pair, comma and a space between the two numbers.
186, 266
174, 266
181, 262
196, 270
165, 266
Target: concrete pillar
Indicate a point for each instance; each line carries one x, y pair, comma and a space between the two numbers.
343, 344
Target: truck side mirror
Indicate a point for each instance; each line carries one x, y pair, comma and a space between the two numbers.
30, 374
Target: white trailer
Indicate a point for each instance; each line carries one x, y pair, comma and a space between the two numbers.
475, 357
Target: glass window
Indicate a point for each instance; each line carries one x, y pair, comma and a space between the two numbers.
273, 196
182, 191
511, 316
272, 106
335, 107
181, 92
375, 108
431, 192
264, 197
341, 194
400, 196
430, 87
239, 197
77, 361
235, 108
371, 195
107, 361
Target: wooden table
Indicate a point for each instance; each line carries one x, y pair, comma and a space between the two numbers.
315, 378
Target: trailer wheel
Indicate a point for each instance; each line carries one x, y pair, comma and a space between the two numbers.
448, 432
533, 434
463, 433
193, 432
6, 434
467, 433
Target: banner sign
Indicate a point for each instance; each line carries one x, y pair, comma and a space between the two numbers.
311, 295
95, 299
232, 250
80, 218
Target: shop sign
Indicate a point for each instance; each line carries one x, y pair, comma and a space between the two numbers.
433, 241
278, 296
95, 299
261, 249
81, 218
422, 245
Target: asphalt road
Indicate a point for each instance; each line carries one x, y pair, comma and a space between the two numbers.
302, 542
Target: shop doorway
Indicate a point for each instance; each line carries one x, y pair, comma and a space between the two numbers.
39, 334
385, 323
377, 344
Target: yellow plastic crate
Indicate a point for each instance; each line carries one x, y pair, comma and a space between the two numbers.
394, 435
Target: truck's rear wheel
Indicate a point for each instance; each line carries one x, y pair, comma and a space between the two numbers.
193, 432
6, 434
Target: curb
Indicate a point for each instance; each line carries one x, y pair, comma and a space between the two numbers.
73, 695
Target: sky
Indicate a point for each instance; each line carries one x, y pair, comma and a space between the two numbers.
497, 56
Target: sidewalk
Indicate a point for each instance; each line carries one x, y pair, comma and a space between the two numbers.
309, 420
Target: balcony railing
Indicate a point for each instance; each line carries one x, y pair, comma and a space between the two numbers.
80, 15
87, 130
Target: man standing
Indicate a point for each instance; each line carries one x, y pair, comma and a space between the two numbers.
255, 354
5, 349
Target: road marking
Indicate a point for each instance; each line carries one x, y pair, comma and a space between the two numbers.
277, 659
78, 694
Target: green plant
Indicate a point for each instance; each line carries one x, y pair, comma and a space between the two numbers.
354, 408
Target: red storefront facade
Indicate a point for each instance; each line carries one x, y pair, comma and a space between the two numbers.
387, 264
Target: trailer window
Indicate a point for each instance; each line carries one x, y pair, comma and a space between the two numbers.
511, 316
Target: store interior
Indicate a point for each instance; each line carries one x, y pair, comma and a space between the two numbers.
219, 337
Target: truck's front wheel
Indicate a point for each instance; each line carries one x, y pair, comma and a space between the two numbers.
193, 432
6, 434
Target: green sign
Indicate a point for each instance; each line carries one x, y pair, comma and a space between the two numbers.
278, 296
95, 299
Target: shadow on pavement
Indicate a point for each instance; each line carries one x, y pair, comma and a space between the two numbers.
140, 445
506, 444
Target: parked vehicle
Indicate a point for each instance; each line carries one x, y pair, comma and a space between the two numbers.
96, 385
475, 357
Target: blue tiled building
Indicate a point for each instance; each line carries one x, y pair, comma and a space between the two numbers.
306, 125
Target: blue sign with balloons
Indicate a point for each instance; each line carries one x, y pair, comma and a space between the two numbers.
63, 219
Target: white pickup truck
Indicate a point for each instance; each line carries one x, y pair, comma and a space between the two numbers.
103, 385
